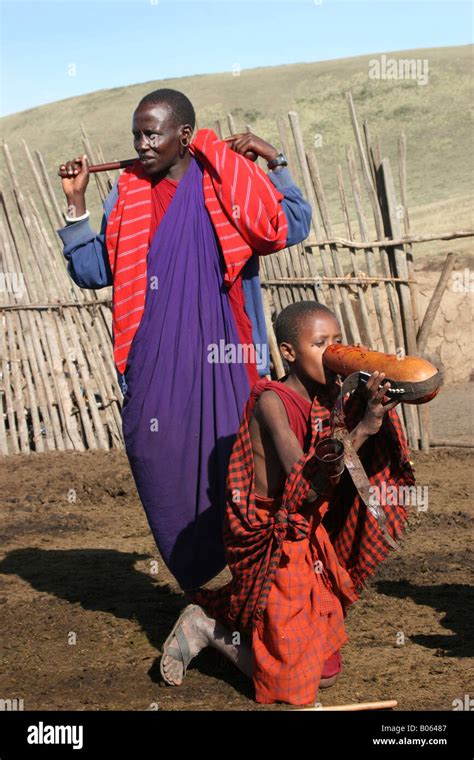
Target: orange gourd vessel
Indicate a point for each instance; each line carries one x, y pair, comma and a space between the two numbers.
415, 379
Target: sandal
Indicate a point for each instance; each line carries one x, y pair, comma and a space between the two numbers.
182, 654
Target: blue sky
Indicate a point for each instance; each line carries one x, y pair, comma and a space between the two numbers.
59, 49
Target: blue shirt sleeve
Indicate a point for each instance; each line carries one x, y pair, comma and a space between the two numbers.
86, 251
296, 209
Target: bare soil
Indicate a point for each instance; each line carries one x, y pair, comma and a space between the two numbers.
86, 601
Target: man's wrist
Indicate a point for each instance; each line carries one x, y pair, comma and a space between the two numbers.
271, 155
76, 205
77, 218
359, 435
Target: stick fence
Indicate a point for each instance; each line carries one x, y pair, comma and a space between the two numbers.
59, 388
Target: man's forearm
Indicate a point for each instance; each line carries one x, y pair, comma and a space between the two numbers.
76, 204
358, 436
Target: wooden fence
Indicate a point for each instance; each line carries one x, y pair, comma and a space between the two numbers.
59, 387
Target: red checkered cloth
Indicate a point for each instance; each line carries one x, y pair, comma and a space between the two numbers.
303, 621
263, 597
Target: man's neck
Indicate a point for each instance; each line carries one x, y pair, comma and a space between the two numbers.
175, 172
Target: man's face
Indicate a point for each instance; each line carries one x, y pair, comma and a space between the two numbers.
317, 332
156, 137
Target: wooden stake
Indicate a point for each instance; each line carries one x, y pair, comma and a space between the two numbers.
360, 290
433, 306
353, 331
369, 255
388, 704
93, 160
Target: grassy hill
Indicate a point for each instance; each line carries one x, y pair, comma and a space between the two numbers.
436, 118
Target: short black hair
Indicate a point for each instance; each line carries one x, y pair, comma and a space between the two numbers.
290, 320
181, 107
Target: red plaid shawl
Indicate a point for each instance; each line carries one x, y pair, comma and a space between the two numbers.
254, 548
244, 207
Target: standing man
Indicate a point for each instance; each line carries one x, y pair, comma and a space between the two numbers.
180, 238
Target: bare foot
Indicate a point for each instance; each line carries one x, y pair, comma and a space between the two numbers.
191, 635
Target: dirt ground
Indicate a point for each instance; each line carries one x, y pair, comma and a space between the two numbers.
86, 601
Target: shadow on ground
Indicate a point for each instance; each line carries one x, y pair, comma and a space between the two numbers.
106, 580
455, 600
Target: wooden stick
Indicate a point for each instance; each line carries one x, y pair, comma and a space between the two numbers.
387, 242
29, 393
354, 335
388, 704
309, 187
451, 443
272, 342
9, 390
41, 188
433, 306
399, 262
17, 387
101, 189
311, 195
370, 152
55, 305
365, 165
368, 252
231, 124
294, 261
218, 128
49, 189
344, 280
402, 172
369, 338
3, 429
288, 150
108, 167
279, 267
423, 410
109, 179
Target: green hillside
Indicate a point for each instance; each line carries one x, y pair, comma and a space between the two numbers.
435, 117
